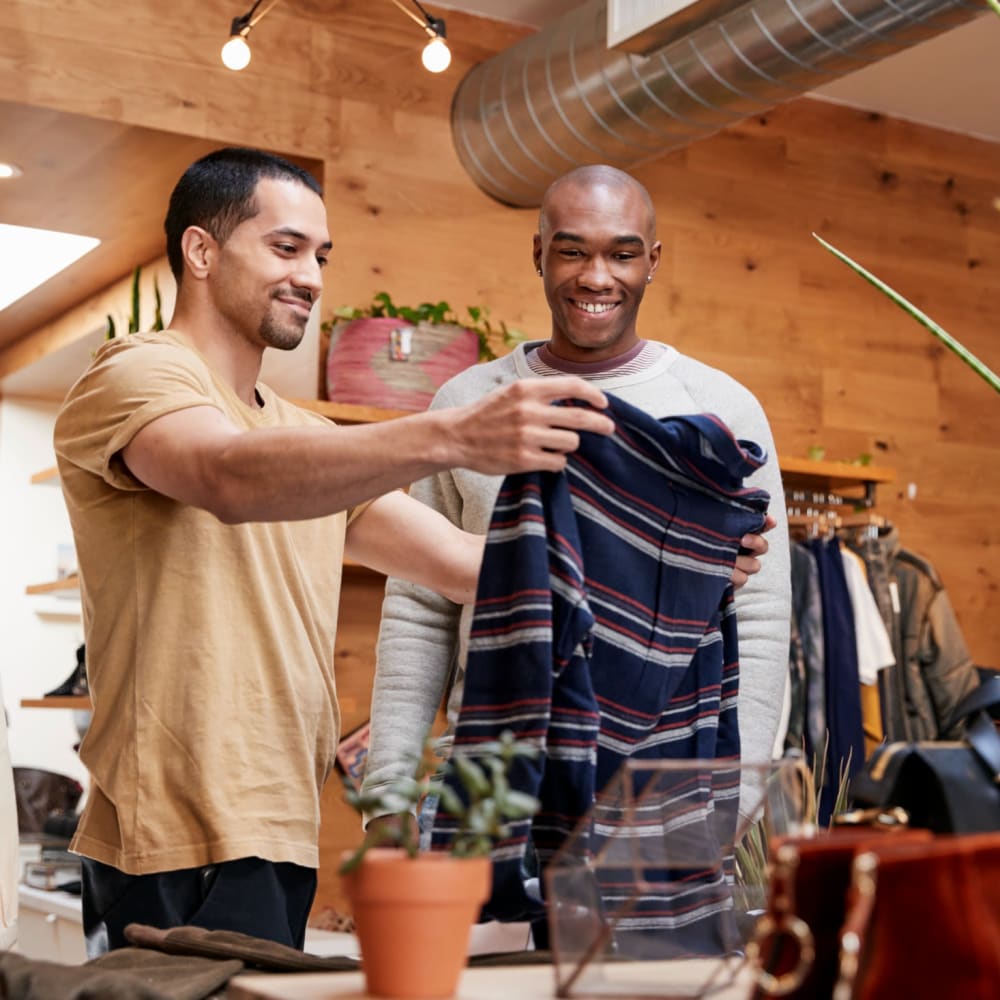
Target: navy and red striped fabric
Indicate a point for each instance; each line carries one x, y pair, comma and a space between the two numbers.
604, 626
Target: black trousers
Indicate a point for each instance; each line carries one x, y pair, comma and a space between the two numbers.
262, 898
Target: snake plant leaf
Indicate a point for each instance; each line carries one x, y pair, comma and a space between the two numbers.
921, 317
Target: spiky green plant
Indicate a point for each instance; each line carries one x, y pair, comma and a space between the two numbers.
946, 338
133, 319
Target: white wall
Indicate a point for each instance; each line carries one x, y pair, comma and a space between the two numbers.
37, 650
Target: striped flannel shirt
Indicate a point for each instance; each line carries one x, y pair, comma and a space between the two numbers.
604, 628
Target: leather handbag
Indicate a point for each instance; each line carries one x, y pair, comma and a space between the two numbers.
796, 945
947, 787
923, 920
39, 794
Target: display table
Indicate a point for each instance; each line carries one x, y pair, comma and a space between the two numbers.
526, 982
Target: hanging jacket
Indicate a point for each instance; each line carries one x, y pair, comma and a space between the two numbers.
933, 669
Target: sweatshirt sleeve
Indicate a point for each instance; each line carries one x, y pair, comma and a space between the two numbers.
763, 612
417, 647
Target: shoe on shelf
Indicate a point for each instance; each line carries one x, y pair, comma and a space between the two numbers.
76, 683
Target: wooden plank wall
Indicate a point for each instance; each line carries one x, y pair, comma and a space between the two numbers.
744, 285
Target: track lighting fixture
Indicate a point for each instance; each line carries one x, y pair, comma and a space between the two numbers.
236, 52
436, 55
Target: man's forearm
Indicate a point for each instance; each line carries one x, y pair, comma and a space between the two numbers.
198, 457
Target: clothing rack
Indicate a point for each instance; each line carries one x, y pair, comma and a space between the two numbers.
815, 522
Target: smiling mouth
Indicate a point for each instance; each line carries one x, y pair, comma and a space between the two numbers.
298, 305
594, 308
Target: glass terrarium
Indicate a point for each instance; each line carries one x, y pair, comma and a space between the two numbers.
669, 868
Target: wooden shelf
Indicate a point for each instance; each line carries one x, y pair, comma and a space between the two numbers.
856, 483
79, 701
349, 413
69, 586
47, 477
836, 472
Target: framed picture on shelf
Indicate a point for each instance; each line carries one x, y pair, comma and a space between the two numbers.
352, 753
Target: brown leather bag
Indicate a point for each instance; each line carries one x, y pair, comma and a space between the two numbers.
796, 947
923, 920
39, 793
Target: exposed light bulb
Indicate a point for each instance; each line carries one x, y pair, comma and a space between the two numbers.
8, 170
436, 56
236, 53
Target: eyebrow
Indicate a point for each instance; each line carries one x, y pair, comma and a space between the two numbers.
567, 237
295, 234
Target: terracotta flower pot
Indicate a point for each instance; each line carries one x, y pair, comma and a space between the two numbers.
413, 917
362, 365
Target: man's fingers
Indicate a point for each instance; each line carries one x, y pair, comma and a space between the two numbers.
743, 569
567, 387
754, 545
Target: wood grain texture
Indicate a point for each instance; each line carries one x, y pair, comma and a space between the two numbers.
743, 284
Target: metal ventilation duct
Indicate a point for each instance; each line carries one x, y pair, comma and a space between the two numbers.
561, 98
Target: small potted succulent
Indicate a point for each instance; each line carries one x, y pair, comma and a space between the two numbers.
413, 910
398, 356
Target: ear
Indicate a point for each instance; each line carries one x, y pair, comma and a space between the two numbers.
199, 250
536, 252
654, 257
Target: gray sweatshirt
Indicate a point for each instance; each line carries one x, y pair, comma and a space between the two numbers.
422, 639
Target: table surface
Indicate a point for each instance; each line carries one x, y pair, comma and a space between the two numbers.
525, 982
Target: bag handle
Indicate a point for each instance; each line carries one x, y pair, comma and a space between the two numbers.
981, 732
984, 696
857, 921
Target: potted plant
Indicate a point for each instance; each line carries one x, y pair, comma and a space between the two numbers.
413, 910
398, 356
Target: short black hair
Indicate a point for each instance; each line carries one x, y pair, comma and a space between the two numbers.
217, 194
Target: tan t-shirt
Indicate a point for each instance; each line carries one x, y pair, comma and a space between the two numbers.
209, 646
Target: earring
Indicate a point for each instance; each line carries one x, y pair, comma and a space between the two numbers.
538, 271
649, 278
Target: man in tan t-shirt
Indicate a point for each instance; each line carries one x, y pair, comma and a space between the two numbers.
211, 518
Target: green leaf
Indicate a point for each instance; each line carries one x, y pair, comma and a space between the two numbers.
520, 805
450, 801
133, 322
471, 775
158, 306
946, 338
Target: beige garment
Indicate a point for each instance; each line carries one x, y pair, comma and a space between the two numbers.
209, 646
873, 645
9, 863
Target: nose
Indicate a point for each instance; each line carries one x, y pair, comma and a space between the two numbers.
308, 276
595, 274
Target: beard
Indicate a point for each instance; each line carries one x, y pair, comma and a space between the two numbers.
283, 336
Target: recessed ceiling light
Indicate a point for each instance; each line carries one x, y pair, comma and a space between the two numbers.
32, 256
8, 170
